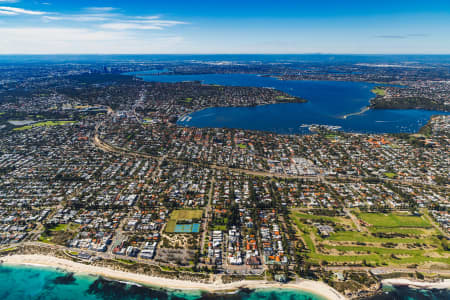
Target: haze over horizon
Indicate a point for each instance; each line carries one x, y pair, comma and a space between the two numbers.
238, 27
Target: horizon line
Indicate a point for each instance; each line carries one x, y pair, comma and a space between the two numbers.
305, 53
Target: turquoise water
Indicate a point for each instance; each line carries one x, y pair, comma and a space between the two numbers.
328, 102
406, 293
36, 283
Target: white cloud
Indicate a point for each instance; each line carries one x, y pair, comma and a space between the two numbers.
142, 23
159, 22
128, 26
115, 21
30, 40
101, 9
79, 18
16, 11
94, 30
7, 13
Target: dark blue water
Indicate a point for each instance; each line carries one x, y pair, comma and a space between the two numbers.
328, 103
36, 283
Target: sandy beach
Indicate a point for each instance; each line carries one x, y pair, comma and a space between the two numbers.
445, 284
315, 287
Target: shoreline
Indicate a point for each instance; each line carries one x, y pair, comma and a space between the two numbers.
283, 131
444, 284
363, 110
188, 114
315, 287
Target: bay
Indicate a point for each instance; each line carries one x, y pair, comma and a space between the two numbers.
328, 104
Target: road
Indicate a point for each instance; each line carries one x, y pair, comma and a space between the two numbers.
127, 152
387, 270
205, 221
430, 219
97, 142
108, 255
354, 219
119, 236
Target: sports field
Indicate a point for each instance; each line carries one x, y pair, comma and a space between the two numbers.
176, 222
42, 124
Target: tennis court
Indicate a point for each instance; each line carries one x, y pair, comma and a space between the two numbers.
187, 228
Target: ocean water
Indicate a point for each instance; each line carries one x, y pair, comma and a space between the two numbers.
38, 283
328, 102
267, 58
406, 293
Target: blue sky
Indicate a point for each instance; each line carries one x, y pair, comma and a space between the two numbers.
210, 26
